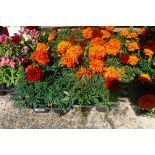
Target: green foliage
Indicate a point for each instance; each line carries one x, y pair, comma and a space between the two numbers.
112, 61
30, 94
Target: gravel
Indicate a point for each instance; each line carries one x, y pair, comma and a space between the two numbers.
122, 117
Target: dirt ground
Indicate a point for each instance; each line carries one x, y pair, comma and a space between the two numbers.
122, 117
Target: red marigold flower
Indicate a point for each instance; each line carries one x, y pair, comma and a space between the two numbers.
124, 58
33, 73
112, 84
147, 102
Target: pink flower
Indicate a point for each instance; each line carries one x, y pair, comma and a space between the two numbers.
7, 62
12, 64
25, 50
3, 39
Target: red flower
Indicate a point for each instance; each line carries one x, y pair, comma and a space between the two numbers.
97, 33
15, 38
30, 27
124, 58
5, 31
33, 73
112, 84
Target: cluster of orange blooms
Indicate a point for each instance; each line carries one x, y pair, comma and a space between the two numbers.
71, 56
148, 53
40, 55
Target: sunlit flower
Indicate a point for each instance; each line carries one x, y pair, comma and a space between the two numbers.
148, 53
124, 32
105, 34
132, 46
83, 71
96, 52
96, 65
42, 48
133, 60
113, 47
144, 78
51, 37
62, 47
96, 41
87, 33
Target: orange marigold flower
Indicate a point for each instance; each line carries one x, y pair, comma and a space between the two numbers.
153, 64
113, 47
132, 46
62, 47
70, 59
96, 65
108, 28
124, 32
42, 48
51, 37
110, 72
87, 33
132, 35
148, 53
133, 60
41, 58
105, 34
96, 41
76, 49
144, 78
147, 102
96, 52
83, 71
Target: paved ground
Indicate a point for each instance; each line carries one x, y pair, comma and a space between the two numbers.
121, 117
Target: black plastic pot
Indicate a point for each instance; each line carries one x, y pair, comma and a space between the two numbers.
89, 108
5, 90
61, 111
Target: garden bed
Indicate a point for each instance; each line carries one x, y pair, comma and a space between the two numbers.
83, 67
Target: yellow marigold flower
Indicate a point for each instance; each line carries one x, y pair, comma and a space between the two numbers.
51, 37
132, 35
132, 46
133, 60
83, 71
105, 34
153, 64
110, 72
124, 32
148, 53
62, 47
113, 47
87, 33
144, 78
42, 48
96, 65
96, 52
96, 41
